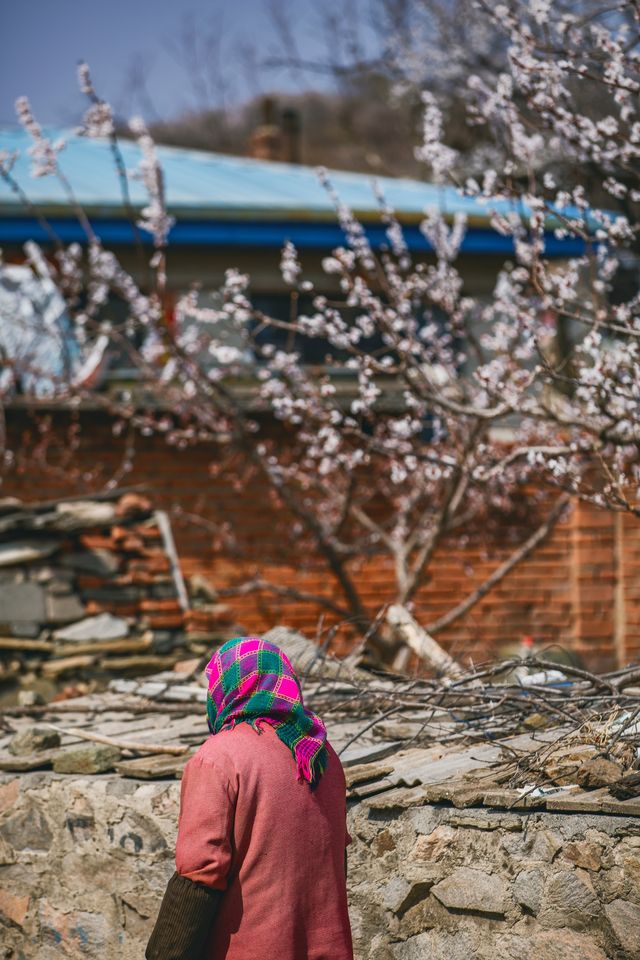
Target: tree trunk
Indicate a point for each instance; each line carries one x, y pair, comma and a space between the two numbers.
409, 632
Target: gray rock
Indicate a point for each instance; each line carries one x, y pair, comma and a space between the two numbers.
305, 655
569, 901
472, 890
88, 513
438, 945
120, 788
63, 608
301, 651
624, 918
94, 758
28, 629
395, 893
45, 573
114, 595
410, 887
59, 586
482, 819
26, 551
527, 890
27, 830
33, 739
543, 845
22, 601
99, 562
104, 626
545, 945
598, 772
424, 820
380, 949
136, 834
29, 698
163, 641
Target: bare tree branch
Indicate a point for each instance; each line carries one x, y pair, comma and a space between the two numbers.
516, 557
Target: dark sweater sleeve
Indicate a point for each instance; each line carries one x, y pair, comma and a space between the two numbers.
184, 922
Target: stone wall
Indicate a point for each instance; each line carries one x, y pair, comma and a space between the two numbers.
84, 862
437, 883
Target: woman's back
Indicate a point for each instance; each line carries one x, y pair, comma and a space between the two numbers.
274, 845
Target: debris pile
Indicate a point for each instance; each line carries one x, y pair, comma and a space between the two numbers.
91, 587
511, 735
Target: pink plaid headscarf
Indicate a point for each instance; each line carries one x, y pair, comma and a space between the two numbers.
252, 681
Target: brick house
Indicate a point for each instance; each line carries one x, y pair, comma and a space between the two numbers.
581, 588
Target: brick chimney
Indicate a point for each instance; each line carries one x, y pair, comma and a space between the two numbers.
291, 131
265, 143
276, 138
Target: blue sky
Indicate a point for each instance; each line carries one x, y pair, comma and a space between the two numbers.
41, 42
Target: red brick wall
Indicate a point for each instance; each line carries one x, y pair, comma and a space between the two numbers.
580, 589
628, 573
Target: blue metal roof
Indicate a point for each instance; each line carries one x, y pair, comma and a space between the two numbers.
219, 200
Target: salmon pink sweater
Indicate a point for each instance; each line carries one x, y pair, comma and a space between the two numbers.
273, 845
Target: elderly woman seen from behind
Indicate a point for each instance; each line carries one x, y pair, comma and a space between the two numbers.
262, 833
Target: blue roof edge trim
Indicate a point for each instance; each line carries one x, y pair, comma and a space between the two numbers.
271, 234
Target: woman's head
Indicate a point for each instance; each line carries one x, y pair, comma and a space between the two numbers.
252, 681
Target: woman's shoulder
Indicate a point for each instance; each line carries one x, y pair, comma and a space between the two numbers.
212, 753
222, 749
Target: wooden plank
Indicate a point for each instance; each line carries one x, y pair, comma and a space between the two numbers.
371, 789
152, 768
396, 799
141, 661
587, 801
622, 808
365, 773
506, 799
131, 645
53, 668
26, 646
164, 525
457, 792
595, 801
